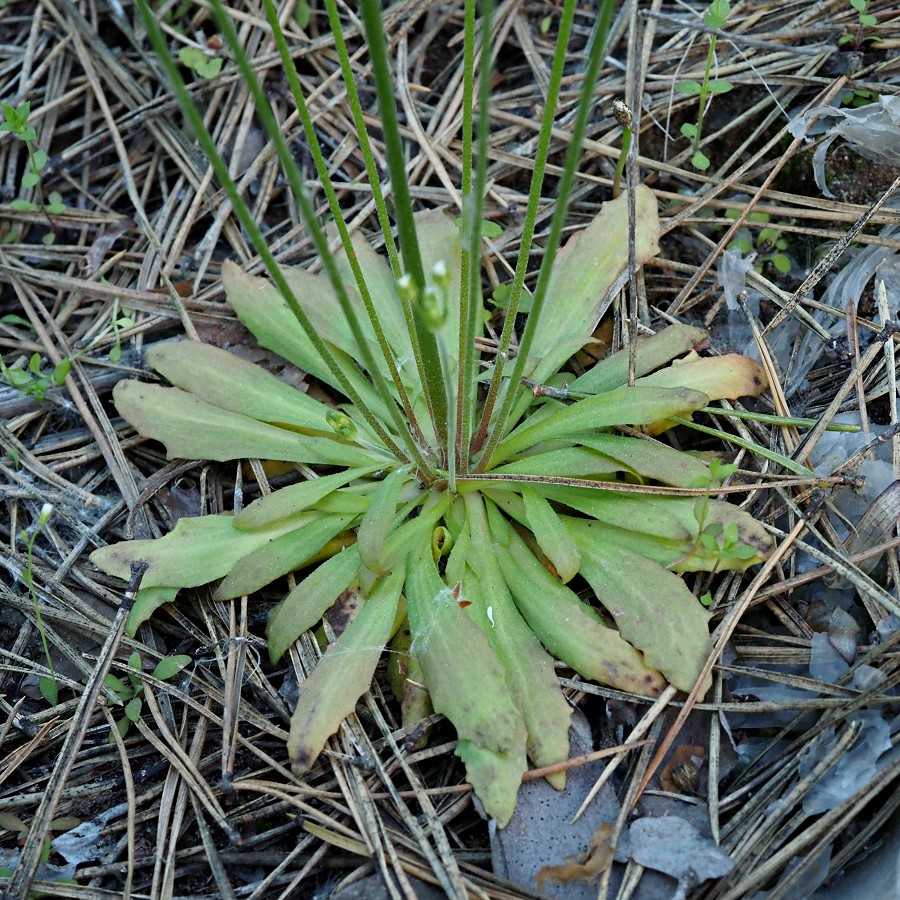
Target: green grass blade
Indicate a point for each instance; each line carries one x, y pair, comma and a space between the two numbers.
433, 380
498, 424
778, 458
534, 197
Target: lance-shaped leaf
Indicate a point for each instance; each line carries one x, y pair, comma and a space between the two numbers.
468, 685
289, 501
343, 674
197, 551
191, 428
569, 628
264, 311
606, 456
719, 377
623, 406
652, 608
650, 354
586, 270
529, 669
307, 602
280, 555
551, 535
232, 383
147, 602
378, 520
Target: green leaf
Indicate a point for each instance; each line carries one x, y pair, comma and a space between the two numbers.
61, 371
378, 520
29, 180
551, 535
280, 555
651, 353
288, 502
13, 319
653, 609
719, 86
586, 270
546, 22
782, 262
39, 159
689, 87
859, 5
118, 687
22, 205
689, 131
343, 674
133, 708
170, 666
147, 602
468, 685
622, 406
230, 383
191, 428
302, 14
529, 669
307, 602
868, 20
197, 551
569, 628
49, 689
700, 160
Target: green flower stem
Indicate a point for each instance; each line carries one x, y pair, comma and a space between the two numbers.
534, 197
242, 211
498, 426
467, 360
704, 89
338, 214
432, 382
365, 147
790, 421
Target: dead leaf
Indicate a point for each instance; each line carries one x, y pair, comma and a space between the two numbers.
583, 866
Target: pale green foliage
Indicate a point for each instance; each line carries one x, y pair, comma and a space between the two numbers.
466, 512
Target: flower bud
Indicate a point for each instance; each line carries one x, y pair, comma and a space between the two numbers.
341, 424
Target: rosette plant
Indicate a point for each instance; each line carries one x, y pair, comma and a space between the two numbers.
468, 491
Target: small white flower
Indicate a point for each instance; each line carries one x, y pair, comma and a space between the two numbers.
46, 512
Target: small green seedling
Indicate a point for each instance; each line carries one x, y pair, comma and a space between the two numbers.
47, 685
15, 122
715, 18
120, 318
770, 244
10, 822
723, 540
131, 693
857, 97
32, 380
200, 62
865, 21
